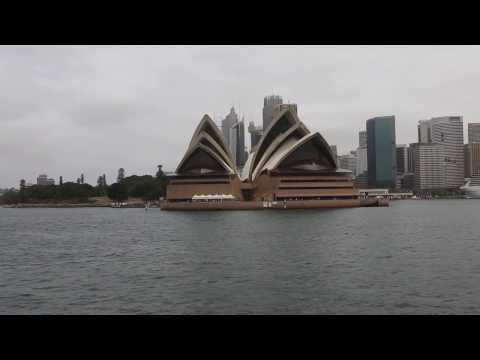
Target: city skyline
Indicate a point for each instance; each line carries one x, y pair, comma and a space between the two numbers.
94, 109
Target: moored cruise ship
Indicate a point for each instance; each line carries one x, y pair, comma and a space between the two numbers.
471, 190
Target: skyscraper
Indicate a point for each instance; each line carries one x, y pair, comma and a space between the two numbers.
269, 104
362, 139
361, 167
348, 162
447, 131
234, 133
474, 133
381, 152
402, 159
227, 123
241, 153
411, 159
255, 134
472, 163
429, 166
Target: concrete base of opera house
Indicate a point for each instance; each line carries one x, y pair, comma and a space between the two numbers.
261, 205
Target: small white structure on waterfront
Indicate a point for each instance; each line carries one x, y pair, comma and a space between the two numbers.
212, 197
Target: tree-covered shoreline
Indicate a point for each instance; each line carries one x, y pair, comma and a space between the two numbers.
146, 187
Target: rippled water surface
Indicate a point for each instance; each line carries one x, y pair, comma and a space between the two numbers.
415, 257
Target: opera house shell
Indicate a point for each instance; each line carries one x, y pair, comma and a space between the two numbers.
289, 167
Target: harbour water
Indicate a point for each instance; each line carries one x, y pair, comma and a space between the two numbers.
414, 257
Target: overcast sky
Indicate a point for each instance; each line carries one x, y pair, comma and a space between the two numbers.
67, 110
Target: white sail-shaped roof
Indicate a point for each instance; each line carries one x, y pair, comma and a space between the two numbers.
290, 136
319, 153
200, 157
207, 151
205, 139
207, 125
286, 145
279, 125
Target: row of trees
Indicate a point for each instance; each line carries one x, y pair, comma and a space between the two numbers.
146, 187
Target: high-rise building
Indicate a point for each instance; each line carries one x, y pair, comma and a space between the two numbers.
429, 166
227, 123
447, 131
402, 159
348, 162
237, 143
241, 153
474, 133
405, 171
472, 163
43, 180
424, 132
255, 134
234, 134
411, 159
362, 139
269, 104
361, 167
361, 161
232, 142
381, 152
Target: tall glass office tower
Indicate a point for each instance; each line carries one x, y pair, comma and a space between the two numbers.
381, 152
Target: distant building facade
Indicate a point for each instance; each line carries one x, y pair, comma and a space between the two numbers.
381, 152
269, 104
405, 168
448, 132
43, 180
233, 132
237, 143
227, 124
411, 159
362, 139
474, 133
256, 133
402, 159
472, 163
361, 168
429, 166
348, 162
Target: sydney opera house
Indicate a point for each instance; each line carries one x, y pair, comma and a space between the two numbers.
290, 167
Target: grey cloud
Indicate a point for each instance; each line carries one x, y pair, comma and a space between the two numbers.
65, 110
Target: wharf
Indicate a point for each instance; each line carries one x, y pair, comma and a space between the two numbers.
265, 205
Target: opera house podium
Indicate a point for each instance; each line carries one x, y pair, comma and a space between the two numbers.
290, 167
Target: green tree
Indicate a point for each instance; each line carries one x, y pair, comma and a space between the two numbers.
10, 197
117, 192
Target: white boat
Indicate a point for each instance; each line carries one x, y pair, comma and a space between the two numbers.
471, 191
